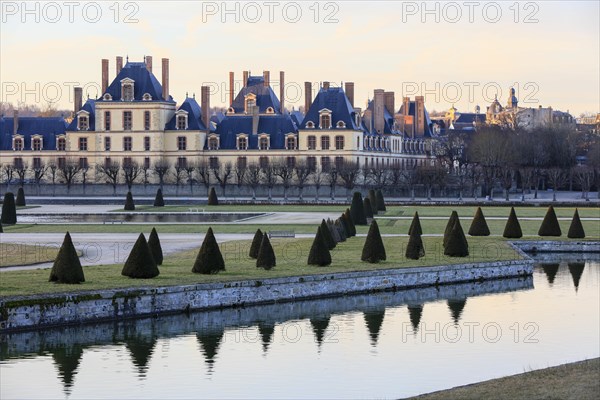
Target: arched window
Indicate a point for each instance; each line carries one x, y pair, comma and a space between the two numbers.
18, 144
213, 143
127, 91
291, 142
36, 144
263, 143
341, 124
83, 123
310, 125
242, 143
312, 142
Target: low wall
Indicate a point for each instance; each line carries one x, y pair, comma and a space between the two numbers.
32, 312
550, 246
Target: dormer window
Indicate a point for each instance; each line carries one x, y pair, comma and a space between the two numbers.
18, 143
242, 142
83, 122
270, 110
291, 142
107, 97
182, 120
341, 124
213, 142
36, 143
230, 110
249, 102
263, 142
147, 97
127, 89
61, 144
310, 125
325, 119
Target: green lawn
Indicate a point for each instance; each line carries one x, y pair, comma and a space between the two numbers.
291, 261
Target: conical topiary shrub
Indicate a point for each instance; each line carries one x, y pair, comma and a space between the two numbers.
67, 267
357, 210
512, 230
255, 246
20, 201
380, 201
345, 221
129, 205
319, 252
209, 259
155, 247
339, 225
1, 230
415, 248
449, 226
415, 225
367, 207
575, 230
550, 226
457, 245
335, 234
158, 199
327, 235
140, 264
479, 226
373, 250
373, 201
350, 223
9, 209
213, 200
266, 256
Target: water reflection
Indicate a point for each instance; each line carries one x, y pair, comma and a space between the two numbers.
456, 307
134, 218
209, 342
319, 326
576, 270
415, 311
67, 361
550, 270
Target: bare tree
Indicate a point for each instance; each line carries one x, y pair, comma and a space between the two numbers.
269, 178
284, 171
429, 175
349, 172
584, 176
8, 171
111, 171
146, 173
131, 171
302, 172
223, 174
379, 176
240, 175
161, 168
491, 149
203, 172
69, 170
253, 177
410, 179
331, 177
317, 180
557, 178
53, 171
84, 170
178, 176
506, 177
21, 169
189, 169
39, 171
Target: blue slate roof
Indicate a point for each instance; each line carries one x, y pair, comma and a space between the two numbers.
48, 128
388, 118
428, 123
194, 116
470, 118
276, 125
265, 97
297, 117
90, 107
144, 82
333, 99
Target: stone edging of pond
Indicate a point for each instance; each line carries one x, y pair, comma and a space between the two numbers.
41, 311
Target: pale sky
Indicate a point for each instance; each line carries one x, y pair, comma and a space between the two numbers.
549, 50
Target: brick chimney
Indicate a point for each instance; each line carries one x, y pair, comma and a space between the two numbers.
349, 89
165, 79
245, 82
378, 115
307, 96
119, 64
15, 121
149, 63
78, 99
267, 78
419, 116
231, 87
326, 85
282, 91
406, 105
205, 105
104, 76
390, 102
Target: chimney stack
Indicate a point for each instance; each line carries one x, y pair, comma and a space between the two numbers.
282, 90
104, 76
78, 99
267, 78
231, 87
378, 115
419, 116
390, 102
326, 85
119, 64
406, 105
307, 96
205, 105
149, 63
15, 121
350, 92
165, 79
245, 78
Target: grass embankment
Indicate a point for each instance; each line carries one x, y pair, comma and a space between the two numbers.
23, 254
575, 381
291, 256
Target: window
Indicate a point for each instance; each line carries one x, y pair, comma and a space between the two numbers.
312, 163
127, 143
18, 144
270, 110
341, 124
83, 144
128, 92
263, 162
18, 162
250, 103
242, 143
339, 143
127, 162
325, 121
83, 163
242, 162
310, 125
339, 162
324, 142
213, 162
291, 143
107, 162
37, 163
146, 143
147, 162
263, 143
291, 162
181, 143
325, 164
146, 120
127, 120
107, 120
181, 122
147, 97
213, 143
83, 123
36, 144
107, 143
62, 162
182, 162
312, 142
61, 144
107, 97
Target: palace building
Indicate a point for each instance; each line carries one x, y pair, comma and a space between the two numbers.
136, 120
